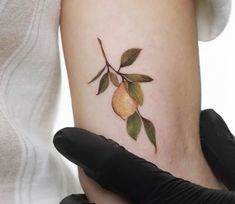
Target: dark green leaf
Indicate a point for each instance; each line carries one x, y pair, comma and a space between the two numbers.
129, 56
150, 130
134, 125
138, 77
104, 83
97, 76
136, 92
114, 79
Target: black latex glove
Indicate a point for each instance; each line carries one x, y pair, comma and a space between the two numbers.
218, 146
122, 172
76, 199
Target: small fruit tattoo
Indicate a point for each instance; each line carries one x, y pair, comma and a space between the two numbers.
128, 95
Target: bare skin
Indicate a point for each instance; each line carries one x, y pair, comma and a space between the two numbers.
166, 33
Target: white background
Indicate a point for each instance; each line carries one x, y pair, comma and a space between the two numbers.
217, 59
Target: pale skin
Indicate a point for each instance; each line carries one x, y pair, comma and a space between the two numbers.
167, 33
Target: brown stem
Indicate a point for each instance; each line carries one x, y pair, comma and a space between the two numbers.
108, 65
139, 113
102, 49
123, 76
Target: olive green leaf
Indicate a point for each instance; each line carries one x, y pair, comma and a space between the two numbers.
134, 125
114, 79
150, 130
126, 84
136, 92
104, 83
97, 76
138, 77
129, 56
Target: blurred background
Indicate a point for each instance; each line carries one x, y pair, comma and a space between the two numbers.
217, 61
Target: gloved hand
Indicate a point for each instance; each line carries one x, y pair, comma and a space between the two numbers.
218, 146
122, 172
76, 199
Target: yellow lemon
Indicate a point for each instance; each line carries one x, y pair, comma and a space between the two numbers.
123, 104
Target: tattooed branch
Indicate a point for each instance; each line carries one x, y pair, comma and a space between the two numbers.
129, 95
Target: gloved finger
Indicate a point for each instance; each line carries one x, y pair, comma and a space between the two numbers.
75, 199
110, 164
120, 171
218, 145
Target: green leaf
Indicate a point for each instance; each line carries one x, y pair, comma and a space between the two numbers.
114, 79
126, 84
136, 92
138, 77
134, 125
97, 76
150, 130
104, 83
129, 56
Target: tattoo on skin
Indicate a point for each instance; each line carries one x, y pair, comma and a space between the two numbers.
128, 96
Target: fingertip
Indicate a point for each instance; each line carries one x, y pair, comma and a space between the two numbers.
208, 113
75, 199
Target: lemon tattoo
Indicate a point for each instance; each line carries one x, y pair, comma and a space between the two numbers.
128, 96
123, 104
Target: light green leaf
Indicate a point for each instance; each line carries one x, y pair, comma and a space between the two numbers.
104, 83
134, 125
136, 92
114, 79
97, 76
129, 56
138, 78
150, 130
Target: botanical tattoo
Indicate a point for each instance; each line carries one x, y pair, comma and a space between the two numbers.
128, 95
